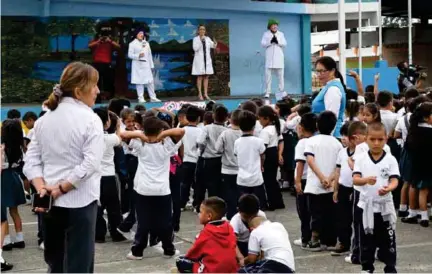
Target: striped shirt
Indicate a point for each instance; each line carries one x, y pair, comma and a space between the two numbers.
68, 144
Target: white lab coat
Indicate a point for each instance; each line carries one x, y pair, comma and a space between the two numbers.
141, 69
274, 52
198, 66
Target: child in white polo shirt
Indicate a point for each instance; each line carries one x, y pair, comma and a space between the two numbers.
250, 158
305, 129
377, 174
321, 151
272, 241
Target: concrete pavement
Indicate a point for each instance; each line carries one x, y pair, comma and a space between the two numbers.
414, 247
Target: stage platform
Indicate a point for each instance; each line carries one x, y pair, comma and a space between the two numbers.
230, 102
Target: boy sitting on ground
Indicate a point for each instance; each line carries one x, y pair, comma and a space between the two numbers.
271, 241
214, 251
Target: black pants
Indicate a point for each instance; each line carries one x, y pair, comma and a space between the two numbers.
109, 200
384, 238
230, 194
321, 208
188, 182
274, 195
259, 191
184, 265
243, 247
121, 171
69, 238
304, 215
106, 77
175, 186
132, 165
396, 152
208, 178
154, 215
344, 217
266, 266
357, 225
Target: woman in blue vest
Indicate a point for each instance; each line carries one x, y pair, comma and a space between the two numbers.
333, 95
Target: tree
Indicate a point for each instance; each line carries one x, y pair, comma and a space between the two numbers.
79, 26
394, 22
55, 29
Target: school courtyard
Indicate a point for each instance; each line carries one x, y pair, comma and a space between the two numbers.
414, 245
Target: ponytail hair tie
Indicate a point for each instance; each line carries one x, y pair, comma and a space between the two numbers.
57, 91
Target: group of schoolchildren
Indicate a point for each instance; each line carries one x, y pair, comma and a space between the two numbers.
358, 182
153, 159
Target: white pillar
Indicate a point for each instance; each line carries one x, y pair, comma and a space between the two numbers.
342, 38
380, 52
360, 40
410, 58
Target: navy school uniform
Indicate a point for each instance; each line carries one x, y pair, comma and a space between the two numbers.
175, 187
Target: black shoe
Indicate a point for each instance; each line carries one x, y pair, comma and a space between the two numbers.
100, 240
340, 250
282, 206
403, 213
6, 266
20, 244
424, 223
313, 246
176, 228
118, 238
409, 220
8, 247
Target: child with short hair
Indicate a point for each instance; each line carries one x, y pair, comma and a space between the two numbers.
343, 187
127, 116
305, 129
376, 173
225, 145
214, 251
208, 174
248, 208
270, 239
321, 151
271, 135
250, 158
154, 148
109, 196
192, 133
29, 119
253, 107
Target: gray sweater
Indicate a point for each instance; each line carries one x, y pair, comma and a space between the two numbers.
207, 140
225, 145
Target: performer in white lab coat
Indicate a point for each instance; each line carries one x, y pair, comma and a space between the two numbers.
142, 65
202, 64
274, 42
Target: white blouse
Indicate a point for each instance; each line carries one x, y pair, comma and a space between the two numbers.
68, 144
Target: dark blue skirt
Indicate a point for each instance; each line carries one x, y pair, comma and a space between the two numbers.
405, 166
12, 191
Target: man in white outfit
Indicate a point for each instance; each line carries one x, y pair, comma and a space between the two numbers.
142, 65
274, 42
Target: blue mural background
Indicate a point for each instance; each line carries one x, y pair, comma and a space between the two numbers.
60, 40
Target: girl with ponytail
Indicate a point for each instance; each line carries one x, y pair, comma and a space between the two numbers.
332, 96
419, 146
271, 135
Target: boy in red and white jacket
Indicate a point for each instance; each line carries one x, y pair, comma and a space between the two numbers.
214, 251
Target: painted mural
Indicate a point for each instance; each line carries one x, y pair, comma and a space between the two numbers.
35, 51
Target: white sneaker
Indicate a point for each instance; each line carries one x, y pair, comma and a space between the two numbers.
155, 100
298, 242
128, 235
42, 246
285, 185
141, 100
348, 259
267, 95
125, 215
130, 256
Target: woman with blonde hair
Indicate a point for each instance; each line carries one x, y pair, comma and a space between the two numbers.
63, 161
